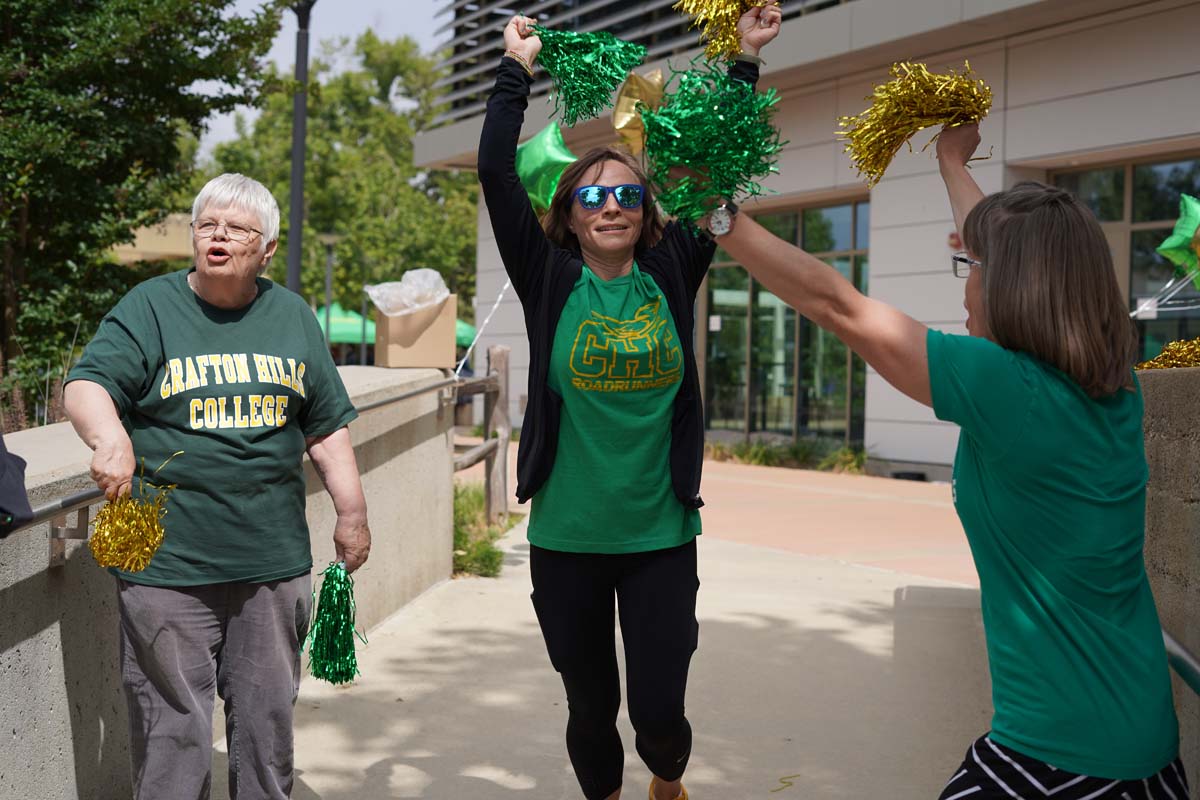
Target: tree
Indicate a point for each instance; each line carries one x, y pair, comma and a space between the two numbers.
360, 182
100, 98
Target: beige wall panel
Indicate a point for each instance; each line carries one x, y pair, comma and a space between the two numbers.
804, 169
911, 249
885, 403
874, 22
820, 36
809, 118
936, 297
853, 94
1123, 53
932, 443
921, 199
1104, 120
972, 9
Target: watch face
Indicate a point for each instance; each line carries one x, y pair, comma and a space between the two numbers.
720, 221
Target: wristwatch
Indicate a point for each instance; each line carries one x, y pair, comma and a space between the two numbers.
720, 219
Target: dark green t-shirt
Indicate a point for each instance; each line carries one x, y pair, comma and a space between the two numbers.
1050, 486
617, 364
238, 391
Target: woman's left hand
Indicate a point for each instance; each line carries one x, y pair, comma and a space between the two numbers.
758, 26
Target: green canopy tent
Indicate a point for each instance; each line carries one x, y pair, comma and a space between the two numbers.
347, 326
464, 333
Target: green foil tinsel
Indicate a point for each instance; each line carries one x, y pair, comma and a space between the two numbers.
584, 69
330, 640
719, 131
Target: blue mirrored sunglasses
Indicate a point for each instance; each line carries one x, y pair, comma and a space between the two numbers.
593, 198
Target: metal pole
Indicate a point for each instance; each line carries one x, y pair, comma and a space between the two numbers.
299, 132
362, 345
328, 290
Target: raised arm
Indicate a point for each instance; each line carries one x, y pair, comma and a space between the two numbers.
889, 340
519, 237
955, 146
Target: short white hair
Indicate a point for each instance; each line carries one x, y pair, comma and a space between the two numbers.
232, 190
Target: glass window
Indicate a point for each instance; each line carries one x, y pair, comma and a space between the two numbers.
862, 226
785, 226
725, 364
1179, 318
827, 229
1156, 189
773, 364
1102, 190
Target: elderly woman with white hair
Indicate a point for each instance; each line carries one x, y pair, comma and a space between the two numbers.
231, 369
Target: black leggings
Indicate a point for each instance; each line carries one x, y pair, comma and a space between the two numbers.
656, 595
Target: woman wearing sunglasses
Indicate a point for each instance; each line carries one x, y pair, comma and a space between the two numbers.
613, 436
1049, 481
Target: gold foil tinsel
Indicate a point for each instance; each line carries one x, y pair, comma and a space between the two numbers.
129, 530
1184, 353
913, 100
719, 19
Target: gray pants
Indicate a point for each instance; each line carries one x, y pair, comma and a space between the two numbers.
178, 645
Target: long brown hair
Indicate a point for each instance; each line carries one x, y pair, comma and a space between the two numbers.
556, 221
1049, 287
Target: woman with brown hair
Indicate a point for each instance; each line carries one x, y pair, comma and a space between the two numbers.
1049, 481
613, 436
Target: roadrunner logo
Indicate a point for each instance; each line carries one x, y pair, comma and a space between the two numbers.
626, 355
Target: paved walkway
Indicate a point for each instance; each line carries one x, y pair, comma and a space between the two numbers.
811, 681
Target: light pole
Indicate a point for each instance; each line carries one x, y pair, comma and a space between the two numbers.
299, 130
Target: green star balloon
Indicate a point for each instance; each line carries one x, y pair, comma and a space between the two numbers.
540, 163
1180, 248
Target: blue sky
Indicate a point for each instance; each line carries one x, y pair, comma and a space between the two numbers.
336, 18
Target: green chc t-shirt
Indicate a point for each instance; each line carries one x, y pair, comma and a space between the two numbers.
236, 390
1051, 489
617, 364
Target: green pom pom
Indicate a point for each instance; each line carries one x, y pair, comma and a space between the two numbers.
330, 640
584, 69
718, 128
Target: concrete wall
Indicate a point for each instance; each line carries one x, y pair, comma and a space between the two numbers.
1172, 425
61, 707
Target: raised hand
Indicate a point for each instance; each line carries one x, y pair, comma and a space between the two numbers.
758, 26
956, 145
520, 38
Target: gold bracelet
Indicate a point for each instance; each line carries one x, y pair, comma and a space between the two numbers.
520, 59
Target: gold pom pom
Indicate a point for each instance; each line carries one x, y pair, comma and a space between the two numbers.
719, 18
1184, 353
915, 99
129, 530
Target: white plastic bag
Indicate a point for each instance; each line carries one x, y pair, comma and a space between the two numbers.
416, 290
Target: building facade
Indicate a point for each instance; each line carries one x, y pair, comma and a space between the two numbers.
1096, 96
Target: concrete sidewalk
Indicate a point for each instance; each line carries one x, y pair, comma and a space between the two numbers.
796, 691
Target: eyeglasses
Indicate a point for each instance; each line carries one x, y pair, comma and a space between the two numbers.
207, 228
963, 263
593, 198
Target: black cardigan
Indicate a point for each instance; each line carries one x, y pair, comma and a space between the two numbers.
543, 275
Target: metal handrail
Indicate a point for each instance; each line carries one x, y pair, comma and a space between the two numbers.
79, 500
1183, 662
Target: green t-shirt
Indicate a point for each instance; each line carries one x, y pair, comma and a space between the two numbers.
617, 364
1051, 489
238, 391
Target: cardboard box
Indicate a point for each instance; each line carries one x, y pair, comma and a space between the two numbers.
421, 339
